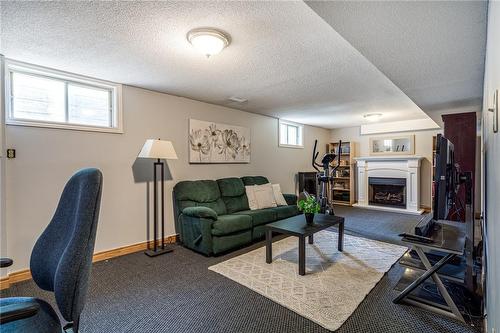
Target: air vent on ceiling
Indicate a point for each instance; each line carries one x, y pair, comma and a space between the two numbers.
237, 99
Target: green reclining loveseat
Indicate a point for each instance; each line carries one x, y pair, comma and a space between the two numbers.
213, 216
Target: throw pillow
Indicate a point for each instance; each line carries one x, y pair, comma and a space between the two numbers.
264, 196
278, 195
252, 202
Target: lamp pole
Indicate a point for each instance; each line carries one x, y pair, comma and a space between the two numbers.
156, 251
158, 150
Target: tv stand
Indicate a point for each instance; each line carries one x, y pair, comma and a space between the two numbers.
449, 261
449, 239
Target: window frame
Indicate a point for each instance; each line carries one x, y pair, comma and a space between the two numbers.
300, 133
115, 89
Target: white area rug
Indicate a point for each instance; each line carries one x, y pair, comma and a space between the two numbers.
335, 282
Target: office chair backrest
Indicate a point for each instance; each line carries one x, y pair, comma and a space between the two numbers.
62, 257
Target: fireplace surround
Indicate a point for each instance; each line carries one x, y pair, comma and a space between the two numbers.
389, 183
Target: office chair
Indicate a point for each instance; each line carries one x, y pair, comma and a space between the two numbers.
60, 261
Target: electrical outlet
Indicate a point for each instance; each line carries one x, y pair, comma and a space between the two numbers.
11, 153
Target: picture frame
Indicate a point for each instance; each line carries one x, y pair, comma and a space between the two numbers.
392, 145
214, 143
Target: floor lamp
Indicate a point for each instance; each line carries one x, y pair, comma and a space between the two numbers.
159, 150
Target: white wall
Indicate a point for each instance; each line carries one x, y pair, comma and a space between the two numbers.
3, 220
423, 147
46, 158
399, 126
491, 179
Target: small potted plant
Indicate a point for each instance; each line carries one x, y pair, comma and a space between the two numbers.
310, 207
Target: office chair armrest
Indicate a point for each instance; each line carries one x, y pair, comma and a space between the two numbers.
5, 262
18, 311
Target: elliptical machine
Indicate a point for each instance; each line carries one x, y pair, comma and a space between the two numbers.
325, 178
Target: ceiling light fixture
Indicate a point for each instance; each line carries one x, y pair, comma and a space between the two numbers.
208, 41
372, 116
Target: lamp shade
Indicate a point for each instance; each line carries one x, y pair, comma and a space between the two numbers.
158, 149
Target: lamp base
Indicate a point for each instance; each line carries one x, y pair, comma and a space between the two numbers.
153, 253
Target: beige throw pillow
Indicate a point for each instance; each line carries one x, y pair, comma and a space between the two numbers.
264, 196
278, 195
252, 202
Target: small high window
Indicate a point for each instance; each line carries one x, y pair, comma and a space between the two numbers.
48, 98
291, 134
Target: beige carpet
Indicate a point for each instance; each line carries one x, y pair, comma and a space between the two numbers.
335, 282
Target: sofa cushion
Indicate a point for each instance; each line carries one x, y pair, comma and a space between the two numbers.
231, 187
264, 196
291, 199
252, 201
254, 180
260, 216
197, 193
278, 195
233, 194
236, 204
197, 190
282, 212
227, 224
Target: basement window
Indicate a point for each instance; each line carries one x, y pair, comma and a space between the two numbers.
291, 135
43, 97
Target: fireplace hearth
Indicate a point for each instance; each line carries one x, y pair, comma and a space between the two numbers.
390, 192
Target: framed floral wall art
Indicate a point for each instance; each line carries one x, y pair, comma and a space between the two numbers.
211, 142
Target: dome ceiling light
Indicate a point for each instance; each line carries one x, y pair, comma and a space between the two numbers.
208, 41
372, 116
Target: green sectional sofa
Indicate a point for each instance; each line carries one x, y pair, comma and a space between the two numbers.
212, 216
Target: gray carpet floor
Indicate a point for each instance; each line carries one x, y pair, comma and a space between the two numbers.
379, 225
177, 293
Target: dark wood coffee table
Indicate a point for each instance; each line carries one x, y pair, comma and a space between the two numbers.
297, 226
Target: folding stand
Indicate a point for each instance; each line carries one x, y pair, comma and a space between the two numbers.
450, 240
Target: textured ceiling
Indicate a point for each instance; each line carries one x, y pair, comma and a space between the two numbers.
433, 50
284, 58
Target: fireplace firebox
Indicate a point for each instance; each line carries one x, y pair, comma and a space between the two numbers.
390, 192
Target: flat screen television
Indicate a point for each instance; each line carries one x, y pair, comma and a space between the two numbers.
447, 179
445, 182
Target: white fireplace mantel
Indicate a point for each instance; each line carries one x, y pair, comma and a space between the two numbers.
407, 167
